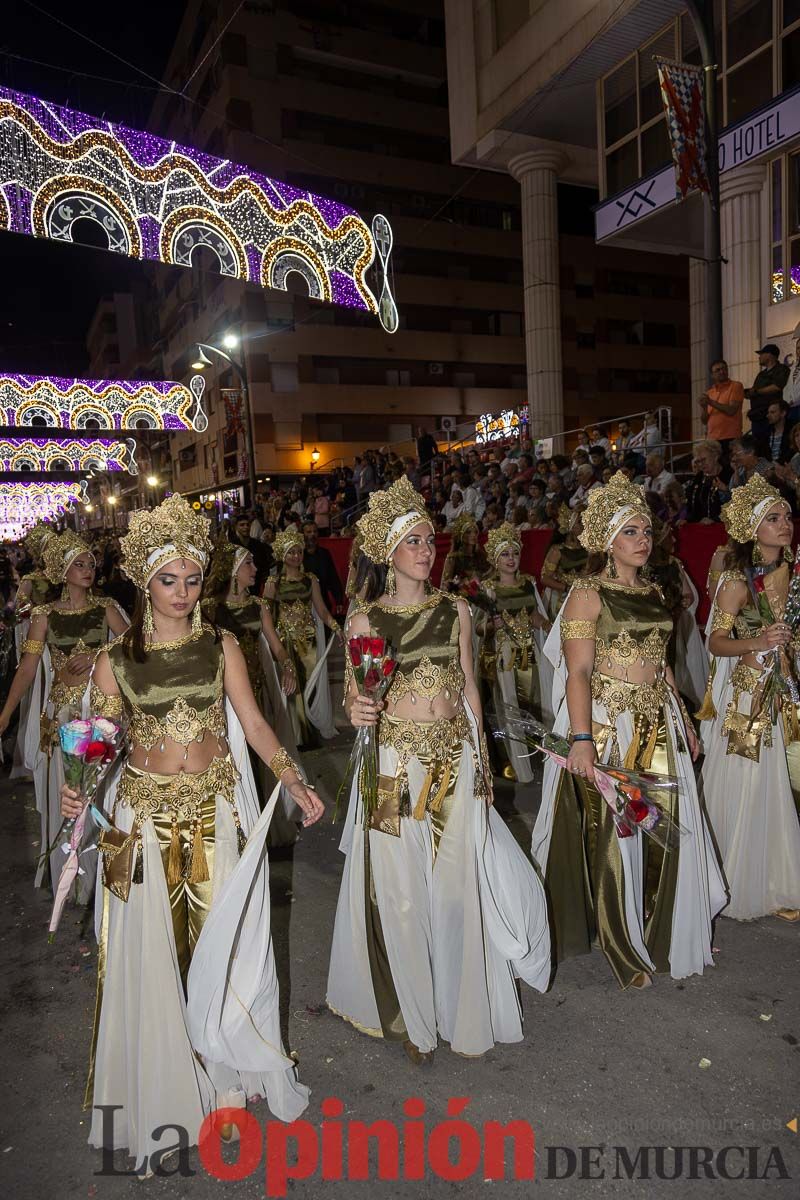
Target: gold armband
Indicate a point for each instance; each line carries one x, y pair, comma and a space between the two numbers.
31, 646
103, 705
722, 620
575, 630
281, 761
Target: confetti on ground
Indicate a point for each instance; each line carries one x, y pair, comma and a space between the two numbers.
766, 1016
704, 1063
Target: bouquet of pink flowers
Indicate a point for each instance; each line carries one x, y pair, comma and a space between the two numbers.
88, 748
373, 668
629, 794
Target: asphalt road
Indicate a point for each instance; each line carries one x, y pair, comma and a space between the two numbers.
709, 1062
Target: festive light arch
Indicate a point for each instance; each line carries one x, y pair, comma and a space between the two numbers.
77, 454
53, 402
158, 200
23, 504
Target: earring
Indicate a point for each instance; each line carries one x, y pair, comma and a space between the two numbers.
611, 566
236, 585
148, 628
197, 620
65, 594
787, 554
757, 556
391, 582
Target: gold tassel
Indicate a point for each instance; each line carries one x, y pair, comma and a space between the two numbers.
441, 791
422, 799
646, 757
707, 712
632, 752
174, 863
198, 872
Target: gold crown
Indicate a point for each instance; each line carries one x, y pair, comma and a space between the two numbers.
284, 541
35, 540
173, 528
505, 534
565, 518
221, 568
59, 552
400, 500
599, 525
739, 514
463, 524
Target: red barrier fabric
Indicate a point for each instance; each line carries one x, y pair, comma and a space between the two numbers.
695, 548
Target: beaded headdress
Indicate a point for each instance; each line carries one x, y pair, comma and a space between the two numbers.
60, 551
607, 510
225, 562
748, 506
391, 514
173, 530
463, 524
35, 540
498, 539
286, 540
565, 518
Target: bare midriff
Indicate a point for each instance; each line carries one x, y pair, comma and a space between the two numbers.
176, 759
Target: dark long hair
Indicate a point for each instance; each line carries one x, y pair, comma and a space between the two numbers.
370, 579
740, 555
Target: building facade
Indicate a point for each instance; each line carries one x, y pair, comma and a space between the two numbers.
569, 91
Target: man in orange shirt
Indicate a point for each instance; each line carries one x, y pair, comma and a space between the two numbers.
722, 407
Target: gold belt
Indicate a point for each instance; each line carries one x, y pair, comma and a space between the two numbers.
640, 699
182, 796
436, 744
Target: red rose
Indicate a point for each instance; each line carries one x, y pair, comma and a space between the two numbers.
638, 810
473, 587
758, 584
95, 752
377, 647
354, 646
372, 679
624, 830
387, 666
366, 645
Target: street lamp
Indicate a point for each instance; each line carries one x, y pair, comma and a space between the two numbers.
230, 342
152, 481
314, 457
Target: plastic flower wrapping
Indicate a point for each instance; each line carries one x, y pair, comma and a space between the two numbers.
373, 667
631, 795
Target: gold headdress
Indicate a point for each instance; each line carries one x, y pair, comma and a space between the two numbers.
505, 535
565, 518
747, 507
390, 516
173, 530
285, 540
36, 539
59, 552
225, 562
607, 509
463, 524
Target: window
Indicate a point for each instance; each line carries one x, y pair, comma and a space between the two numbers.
634, 125
785, 209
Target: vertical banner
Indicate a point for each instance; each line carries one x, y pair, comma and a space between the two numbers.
682, 94
232, 398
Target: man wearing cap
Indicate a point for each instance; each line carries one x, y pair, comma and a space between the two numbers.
767, 386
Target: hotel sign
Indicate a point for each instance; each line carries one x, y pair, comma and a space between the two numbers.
765, 132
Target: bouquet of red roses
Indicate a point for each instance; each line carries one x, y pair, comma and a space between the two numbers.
373, 668
777, 680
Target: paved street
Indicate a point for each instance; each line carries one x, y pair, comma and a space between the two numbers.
597, 1068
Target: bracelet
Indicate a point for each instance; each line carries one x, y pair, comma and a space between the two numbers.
288, 665
582, 737
281, 761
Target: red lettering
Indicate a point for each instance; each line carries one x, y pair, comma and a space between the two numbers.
468, 1144
278, 1170
209, 1143
358, 1149
414, 1140
494, 1149
332, 1140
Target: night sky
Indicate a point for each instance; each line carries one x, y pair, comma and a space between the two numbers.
49, 292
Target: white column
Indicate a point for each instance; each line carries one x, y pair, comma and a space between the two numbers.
537, 173
740, 209
699, 341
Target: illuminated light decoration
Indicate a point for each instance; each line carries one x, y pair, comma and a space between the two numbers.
68, 454
26, 503
56, 403
777, 284
489, 428
155, 199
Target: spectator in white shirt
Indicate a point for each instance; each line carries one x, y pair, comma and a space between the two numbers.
454, 506
649, 436
597, 438
586, 483
657, 479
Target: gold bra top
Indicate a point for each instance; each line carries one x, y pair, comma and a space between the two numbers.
424, 638
748, 622
80, 631
243, 620
633, 628
515, 602
176, 693
40, 586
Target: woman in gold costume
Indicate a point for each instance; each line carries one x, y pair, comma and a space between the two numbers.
34, 590
616, 699
563, 563
57, 656
229, 604
187, 1013
465, 559
511, 662
299, 612
752, 741
439, 910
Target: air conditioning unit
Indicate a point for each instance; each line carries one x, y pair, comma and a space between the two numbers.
435, 368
